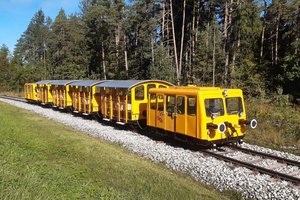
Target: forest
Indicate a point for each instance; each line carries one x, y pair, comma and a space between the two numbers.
248, 44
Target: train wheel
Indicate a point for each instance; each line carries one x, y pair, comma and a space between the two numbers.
142, 124
98, 116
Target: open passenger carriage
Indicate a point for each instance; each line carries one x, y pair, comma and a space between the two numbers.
125, 101
61, 94
84, 97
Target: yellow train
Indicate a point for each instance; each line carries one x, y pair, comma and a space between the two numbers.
207, 115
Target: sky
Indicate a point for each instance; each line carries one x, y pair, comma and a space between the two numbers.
15, 16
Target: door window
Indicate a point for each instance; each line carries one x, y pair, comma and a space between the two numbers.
160, 103
170, 104
139, 93
153, 101
180, 105
191, 109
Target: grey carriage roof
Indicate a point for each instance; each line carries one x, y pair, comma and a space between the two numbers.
85, 83
62, 82
127, 83
44, 82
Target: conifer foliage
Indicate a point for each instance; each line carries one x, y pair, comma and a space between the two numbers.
253, 44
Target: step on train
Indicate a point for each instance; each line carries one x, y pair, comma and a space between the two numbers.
210, 116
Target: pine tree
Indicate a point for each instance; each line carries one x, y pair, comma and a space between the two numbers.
58, 43
32, 47
96, 16
4, 67
67, 48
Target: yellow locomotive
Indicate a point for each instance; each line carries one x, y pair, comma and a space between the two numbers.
208, 115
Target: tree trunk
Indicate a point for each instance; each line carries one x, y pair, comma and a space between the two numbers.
174, 43
182, 37
262, 40
297, 30
207, 50
237, 40
103, 61
167, 26
125, 55
152, 50
276, 38
195, 22
272, 49
262, 43
214, 53
163, 20
225, 39
117, 44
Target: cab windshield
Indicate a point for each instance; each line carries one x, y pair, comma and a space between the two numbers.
214, 107
234, 105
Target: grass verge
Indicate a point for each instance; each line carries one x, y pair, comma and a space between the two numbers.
42, 159
278, 126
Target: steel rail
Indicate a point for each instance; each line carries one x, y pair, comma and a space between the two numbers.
254, 167
21, 99
265, 155
232, 160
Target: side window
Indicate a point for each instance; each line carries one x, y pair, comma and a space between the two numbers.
139, 93
97, 90
162, 86
214, 107
107, 91
234, 105
153, 101
191, 107
121, 92
129, 96
160, 103
180, 105
170, 104
149, 86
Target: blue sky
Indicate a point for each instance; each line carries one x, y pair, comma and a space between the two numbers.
15, 16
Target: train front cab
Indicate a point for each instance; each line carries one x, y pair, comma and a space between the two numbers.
211, 115
30, 92
84, 97
125, 101
223, 114
61, 94
44, 95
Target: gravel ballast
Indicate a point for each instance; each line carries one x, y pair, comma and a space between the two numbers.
204, 169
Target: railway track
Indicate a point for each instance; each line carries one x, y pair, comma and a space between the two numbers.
254, 165
224, 155
21, 99
183, 157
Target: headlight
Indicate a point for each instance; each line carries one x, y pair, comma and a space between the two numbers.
221, 127
253, 123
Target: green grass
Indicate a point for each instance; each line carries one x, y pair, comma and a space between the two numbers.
278, 126
42, 159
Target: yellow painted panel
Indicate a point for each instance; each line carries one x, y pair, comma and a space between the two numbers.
169, 122
181, 123
191, 126
152, 117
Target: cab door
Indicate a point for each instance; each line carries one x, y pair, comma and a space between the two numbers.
160, 112
45, 94
191, 117
170, 113
180, 116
